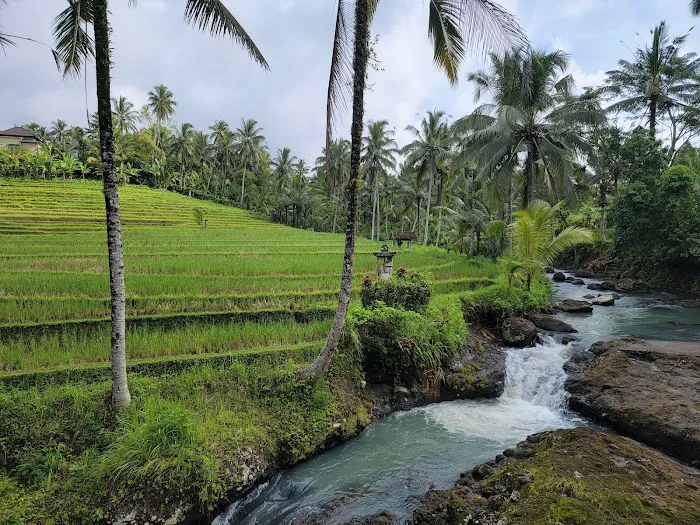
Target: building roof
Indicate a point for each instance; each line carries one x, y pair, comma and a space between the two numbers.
18, 132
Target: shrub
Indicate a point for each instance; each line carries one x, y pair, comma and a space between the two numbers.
491, 306
406, 347
407, 290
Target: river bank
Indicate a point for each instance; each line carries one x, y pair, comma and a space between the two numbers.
568, 476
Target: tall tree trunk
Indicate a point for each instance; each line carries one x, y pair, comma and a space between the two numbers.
379, 211
509, 217
652, 117
374, 203
243, 187
427, 210
120, 387
529, 174
318, 368
441, 183
386, 220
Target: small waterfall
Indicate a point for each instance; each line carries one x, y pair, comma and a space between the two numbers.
534, 399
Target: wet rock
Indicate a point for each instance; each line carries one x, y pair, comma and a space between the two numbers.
567, 466
569, 339
383, 518
583, 273
549, 269
574, 280
604, 300
551, 324
607, 286
589, 296
559, 277
518, 332
595, 286
631, 286
574, 306
477, 371
398, 389
646, 389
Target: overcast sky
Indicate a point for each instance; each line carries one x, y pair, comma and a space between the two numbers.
214, 79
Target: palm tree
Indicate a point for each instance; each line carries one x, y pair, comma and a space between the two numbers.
534, 244
124, 115
59, 134
249, 145
181, 146
162, 105
74, 46
486, 22
378, 157
283, 166
658, 78
695, 7
533, 112
428, 153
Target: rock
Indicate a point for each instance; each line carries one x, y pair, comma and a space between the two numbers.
583, 273
559, 277
336, 426
645, 389
607, 286
549, 269
574, 306
363, 384
574, 280
635, 484
595, 286
551, 324
477, 371
569, 339
398, 389
604, 300
518, 332
589, 296
632, 286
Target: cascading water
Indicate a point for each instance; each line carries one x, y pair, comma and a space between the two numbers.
397, 460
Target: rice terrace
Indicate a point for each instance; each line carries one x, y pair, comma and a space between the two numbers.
240, 286
356, 262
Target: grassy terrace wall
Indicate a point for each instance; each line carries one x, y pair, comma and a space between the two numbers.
219, 319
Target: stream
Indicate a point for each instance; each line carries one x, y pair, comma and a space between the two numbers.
395, 461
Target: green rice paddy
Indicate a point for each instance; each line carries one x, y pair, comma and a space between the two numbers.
53, 270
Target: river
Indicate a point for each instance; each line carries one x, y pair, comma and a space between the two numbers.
398, 459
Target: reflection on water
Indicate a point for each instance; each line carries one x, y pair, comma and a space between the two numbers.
396, 460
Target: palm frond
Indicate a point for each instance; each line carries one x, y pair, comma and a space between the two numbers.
214, 17
74, 46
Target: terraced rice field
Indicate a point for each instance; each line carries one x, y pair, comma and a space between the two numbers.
240, 286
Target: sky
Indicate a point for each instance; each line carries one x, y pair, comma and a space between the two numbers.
214, 79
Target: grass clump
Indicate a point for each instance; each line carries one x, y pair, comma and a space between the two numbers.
408, 290
490, 306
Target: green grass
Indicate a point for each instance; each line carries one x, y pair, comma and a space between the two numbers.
53, 269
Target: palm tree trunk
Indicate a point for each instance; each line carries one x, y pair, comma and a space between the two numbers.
318, 368
427, 209
243, 187
120, 387
529, 174
374, 204
441, 183
652, 117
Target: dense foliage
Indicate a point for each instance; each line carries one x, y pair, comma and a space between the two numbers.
407, 290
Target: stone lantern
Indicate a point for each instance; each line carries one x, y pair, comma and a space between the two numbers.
385, 262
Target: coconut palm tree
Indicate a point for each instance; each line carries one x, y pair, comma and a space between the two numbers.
59, 134
74, 46
182, 148
533, 112
249, 145
378, 157
695, 7
658, 78
534, 243
162, 105
124, 115
428, 153
482, 21
283, 166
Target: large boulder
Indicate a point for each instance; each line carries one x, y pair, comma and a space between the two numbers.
574, 306
607, 286
646, 389
583, 273
575, 280
595, 286
577, 475
477, 371
518, 332
607, 299
551, 324
559, 277
631, 286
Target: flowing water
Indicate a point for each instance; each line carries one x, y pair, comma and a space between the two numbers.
396, 460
